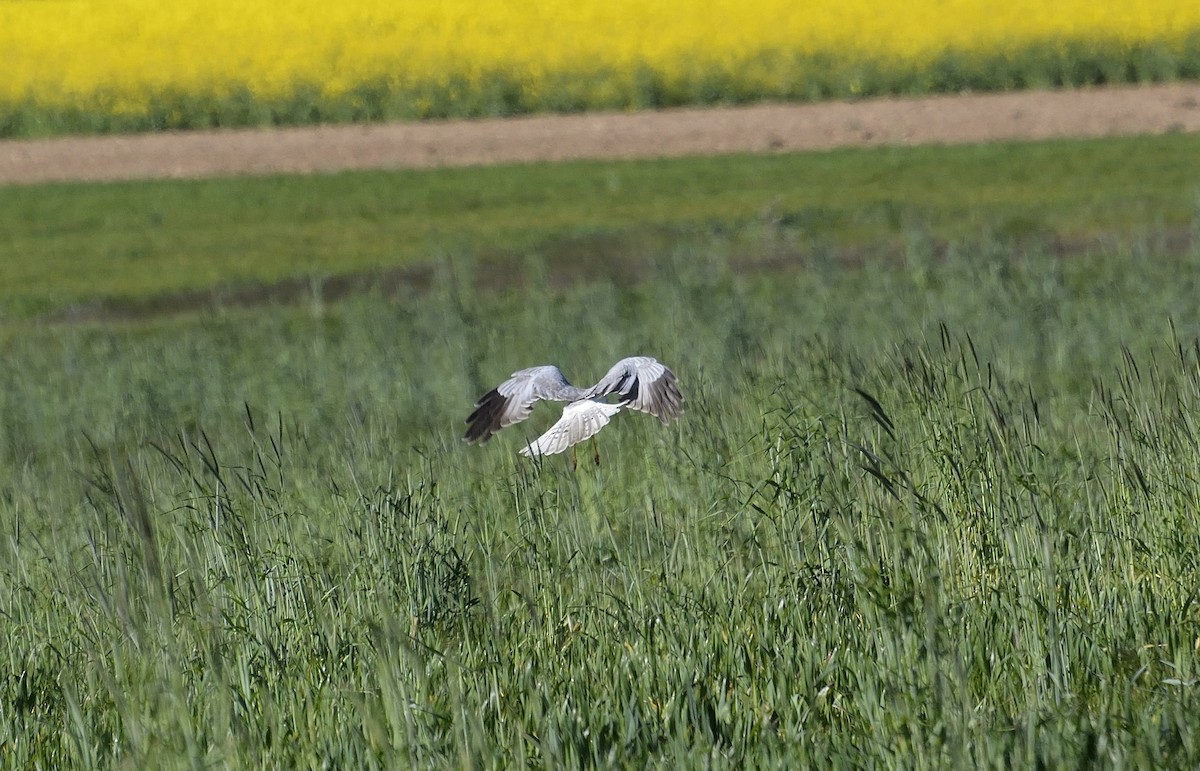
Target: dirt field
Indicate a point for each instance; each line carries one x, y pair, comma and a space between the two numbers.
755, 129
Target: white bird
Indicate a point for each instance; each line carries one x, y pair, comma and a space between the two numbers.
639, 382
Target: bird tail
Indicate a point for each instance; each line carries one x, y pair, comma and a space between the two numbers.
580, 420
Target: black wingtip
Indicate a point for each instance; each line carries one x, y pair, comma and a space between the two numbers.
485, 420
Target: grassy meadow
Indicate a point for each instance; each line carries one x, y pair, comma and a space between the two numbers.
77, 66
932, 506
65, 247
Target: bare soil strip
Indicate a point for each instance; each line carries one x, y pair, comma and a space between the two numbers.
767, 128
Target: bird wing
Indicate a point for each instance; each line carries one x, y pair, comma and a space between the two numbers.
580, 420
512, 401
643, 384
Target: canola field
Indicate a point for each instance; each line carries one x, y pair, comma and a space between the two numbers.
73, 65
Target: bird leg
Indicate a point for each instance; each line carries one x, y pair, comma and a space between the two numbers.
574, 459
596, 450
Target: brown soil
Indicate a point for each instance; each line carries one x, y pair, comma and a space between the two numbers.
755, 129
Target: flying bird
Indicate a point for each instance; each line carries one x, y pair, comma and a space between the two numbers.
639, 383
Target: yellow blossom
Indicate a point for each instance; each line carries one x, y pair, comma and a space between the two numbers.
123, 55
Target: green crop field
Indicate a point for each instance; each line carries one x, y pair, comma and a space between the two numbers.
933, 506
63, 245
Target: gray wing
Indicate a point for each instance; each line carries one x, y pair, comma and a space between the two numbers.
580, 420
643, 384
513, 400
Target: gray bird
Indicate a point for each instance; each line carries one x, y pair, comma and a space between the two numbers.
639, 382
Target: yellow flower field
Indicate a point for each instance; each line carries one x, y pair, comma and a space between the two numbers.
138, 58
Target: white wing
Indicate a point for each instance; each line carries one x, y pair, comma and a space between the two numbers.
645, 385
512, 401
579, 421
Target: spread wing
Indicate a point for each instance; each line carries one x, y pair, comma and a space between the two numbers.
579, 421
643, 384
513, 400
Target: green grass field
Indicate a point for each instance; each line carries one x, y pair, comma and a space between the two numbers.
70, 244
932, 507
